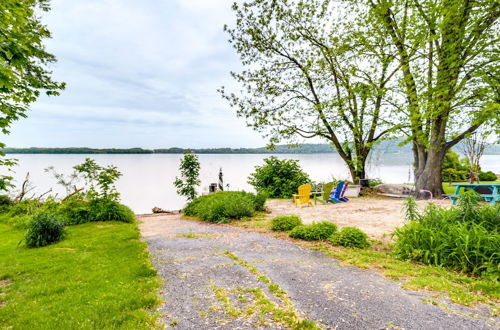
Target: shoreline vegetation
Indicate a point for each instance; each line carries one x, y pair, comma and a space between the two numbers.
390, 146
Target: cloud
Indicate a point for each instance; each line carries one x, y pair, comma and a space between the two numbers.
138, 73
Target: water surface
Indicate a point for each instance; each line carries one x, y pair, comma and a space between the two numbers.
147, 178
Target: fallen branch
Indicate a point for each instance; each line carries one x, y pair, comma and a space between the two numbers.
45, 193
72, 194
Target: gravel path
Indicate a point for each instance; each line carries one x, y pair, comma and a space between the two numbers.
216, 277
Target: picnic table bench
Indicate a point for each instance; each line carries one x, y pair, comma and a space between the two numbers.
491, 197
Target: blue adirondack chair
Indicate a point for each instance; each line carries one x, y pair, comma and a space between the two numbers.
337, 193
344, 189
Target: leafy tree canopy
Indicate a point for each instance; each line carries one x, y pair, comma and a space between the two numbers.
306, 75
24, 62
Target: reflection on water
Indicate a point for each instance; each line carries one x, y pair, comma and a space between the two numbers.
147, 179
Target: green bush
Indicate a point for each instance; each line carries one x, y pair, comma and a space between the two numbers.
465, 238
43, 230
25, 207
224, 205
260, 201
74, 211
278, 178
285, 223
487, 176
18, 222
104, 209
314, 232
453, 168
5, 203
350, 237
375, 182
19, 214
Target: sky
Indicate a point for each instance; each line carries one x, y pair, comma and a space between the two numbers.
139, 74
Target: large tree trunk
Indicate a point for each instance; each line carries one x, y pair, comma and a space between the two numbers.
358, 171
428, 172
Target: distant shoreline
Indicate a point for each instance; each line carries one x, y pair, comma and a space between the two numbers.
385, 147
158, 151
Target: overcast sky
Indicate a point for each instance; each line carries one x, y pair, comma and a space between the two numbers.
139, 73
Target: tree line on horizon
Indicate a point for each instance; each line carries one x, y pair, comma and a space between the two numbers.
391, 146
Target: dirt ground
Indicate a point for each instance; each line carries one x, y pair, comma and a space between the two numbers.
378, 217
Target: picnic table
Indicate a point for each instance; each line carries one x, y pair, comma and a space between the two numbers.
491, 197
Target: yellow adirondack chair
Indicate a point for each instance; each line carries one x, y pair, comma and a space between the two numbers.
304, 196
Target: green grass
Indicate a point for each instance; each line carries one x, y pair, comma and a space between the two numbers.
450, 190
99, 277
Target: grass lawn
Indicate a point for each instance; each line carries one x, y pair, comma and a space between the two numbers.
450, 190
460, 288
99, 277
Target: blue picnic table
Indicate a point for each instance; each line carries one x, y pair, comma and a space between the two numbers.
489, 197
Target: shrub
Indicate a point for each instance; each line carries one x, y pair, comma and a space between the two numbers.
74, 211
224, 205
100, 180
465, 238
375, 182
190, 176
278, 178
487, 176
285, 223
350, 237
260, 201
18, 222
315, 231
44, 229
25, 207
453, 168
5, 203
109, 210
19, 214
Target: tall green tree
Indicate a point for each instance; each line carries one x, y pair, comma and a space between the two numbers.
24, 62
306, 76
449, 71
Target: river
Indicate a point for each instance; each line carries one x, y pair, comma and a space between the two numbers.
147, 178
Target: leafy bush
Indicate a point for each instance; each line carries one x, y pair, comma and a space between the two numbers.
375, 182
465, 238
453, 168
109, 210
315, 231
100, 180
350, 237
25, 207
74, 211
224, 205
5, 202
278, 178
19, 214
260, 201
190, 176
43, 230
487, 176
285, 223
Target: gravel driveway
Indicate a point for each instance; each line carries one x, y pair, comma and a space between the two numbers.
216, 277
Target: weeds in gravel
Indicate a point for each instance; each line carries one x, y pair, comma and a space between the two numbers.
264, 306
